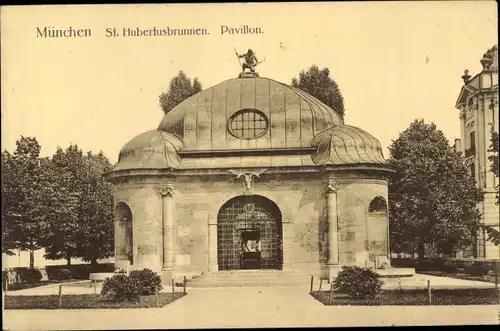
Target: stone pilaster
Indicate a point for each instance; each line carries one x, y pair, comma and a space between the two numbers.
168, 228
333, 234
212, 234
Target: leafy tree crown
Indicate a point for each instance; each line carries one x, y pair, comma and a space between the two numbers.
180, 89
318, 83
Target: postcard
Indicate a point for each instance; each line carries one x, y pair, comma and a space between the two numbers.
250, 165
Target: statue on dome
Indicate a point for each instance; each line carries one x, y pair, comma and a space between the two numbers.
250, 63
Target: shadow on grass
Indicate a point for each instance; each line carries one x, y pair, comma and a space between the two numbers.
85, 301
415, 298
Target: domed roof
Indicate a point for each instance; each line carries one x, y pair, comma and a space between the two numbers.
150, 150
345, 144
250, 121
290, 118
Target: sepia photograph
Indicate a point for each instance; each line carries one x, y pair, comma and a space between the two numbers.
250, 165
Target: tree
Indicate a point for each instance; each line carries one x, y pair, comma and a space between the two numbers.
318, 83
85, 228
180, 89
61, 239
494, 234
493, 157
28, 192
96, 232
8, 240
432, 196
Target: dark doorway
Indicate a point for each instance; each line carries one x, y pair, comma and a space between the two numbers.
249, 234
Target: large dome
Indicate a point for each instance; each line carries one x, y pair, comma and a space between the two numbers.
250, 121
286, 117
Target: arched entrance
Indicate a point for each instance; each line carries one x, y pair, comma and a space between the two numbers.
249, 234
123, 233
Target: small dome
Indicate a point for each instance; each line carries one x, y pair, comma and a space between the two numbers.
151, 150
344, 144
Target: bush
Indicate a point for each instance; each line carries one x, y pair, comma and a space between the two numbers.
425, 265
78, 271
63, 274
450, 267
358, 282
32, 276
147, 281
478, 269
439, 264
27, 275
404, 262
120, 288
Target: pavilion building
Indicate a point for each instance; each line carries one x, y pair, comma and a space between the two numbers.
251, 174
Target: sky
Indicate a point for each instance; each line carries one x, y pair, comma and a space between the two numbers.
394, 62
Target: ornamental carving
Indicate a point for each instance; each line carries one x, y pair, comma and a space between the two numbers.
167, 191
332, 187
247, 177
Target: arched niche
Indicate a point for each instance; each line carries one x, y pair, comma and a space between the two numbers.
124, 233
378, 228
378, 205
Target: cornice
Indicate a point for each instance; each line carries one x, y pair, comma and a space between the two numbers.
248, 152
368, 170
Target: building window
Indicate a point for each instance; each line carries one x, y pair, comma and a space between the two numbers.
472, 143
473, 140
248, 124
473, 171
481, 244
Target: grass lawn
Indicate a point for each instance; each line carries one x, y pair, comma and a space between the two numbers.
84, 301
461, 275
416, 298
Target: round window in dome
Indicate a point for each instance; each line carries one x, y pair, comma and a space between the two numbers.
248, 124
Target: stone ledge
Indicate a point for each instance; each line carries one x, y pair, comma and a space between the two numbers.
100, 276
396, 272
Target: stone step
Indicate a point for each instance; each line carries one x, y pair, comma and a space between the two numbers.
254, 276
248, 280
236, 280
247, 283
251, 278
263, 284
239, 273
229, 279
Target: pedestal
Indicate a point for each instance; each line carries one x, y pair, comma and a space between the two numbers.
167, 275
123, 265
333, 271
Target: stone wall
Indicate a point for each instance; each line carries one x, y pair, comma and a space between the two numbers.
361, 233
145, 205
300, 197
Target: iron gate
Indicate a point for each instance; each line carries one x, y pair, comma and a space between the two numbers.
246, 214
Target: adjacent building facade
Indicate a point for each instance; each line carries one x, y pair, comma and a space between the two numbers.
251, 174
478, 105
